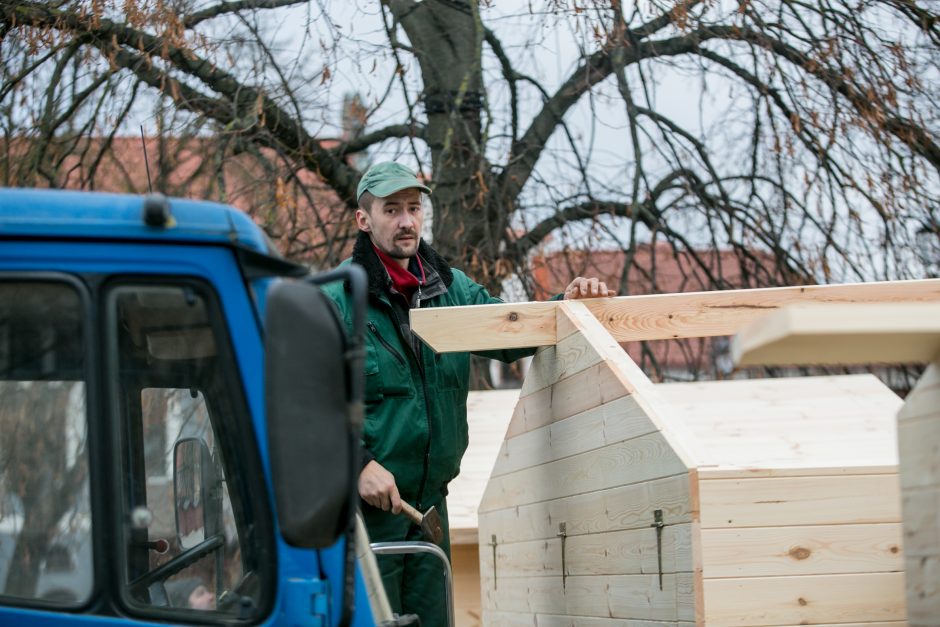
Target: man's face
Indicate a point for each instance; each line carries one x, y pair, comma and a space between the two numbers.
394, 224
202, 599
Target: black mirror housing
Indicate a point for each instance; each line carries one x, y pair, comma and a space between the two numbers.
311, 440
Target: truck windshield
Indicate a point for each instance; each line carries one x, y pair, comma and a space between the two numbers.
45, 523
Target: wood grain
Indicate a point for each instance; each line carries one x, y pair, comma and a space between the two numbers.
606, 424
632, 461
629, 552
805, 600
831, 334
801, 550
648, 317
625, 507
784, 501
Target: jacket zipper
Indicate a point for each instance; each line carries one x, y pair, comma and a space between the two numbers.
427, 410
427, 406
386, 344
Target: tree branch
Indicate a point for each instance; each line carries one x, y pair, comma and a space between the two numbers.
224, 8
243, 103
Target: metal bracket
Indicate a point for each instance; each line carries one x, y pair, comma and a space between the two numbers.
493, 544
563, 534
659, 524
308, 602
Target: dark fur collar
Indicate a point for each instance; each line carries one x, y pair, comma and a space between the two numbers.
364, 255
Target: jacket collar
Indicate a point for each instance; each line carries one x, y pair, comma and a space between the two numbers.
438, 274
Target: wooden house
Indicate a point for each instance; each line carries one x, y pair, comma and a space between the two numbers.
488, 414
618, 501
866, 333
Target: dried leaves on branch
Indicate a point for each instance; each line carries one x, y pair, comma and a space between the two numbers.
698, 144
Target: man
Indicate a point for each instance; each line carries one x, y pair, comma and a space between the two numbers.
415, 430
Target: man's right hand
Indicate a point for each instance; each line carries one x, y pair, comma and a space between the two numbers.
377, 488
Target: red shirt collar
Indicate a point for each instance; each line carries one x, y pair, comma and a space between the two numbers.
403, 280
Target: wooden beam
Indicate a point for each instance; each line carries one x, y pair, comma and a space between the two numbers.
649, 317
841, 334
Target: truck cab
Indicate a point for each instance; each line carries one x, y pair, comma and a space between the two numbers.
177, 420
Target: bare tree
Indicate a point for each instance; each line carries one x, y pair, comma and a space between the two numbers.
798, 138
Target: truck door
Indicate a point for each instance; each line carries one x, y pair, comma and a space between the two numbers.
131, 487
194, 547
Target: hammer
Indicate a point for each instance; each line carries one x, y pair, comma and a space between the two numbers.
429, 521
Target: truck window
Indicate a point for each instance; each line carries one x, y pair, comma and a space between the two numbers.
45, 522
184, 550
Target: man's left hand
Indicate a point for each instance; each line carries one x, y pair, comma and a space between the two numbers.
587, 288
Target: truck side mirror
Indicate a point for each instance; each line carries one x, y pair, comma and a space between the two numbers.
195, 492
313, 393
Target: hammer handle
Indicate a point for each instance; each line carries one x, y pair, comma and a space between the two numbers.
411, 513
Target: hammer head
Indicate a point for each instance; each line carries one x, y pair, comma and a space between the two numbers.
431, 526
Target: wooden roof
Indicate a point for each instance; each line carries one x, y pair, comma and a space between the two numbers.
488, 415
801, 422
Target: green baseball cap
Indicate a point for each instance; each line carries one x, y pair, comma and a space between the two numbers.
386, 178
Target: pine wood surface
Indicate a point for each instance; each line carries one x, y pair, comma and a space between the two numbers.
468, 607
801, 550
648, 317
554, 363
488, 415
860, 333
632, 461
610, 596
780, 423
736, 472
623, 507
806, 600
919, 469
628, 552
495, 618
785, 501
582, 391
606, 424
919, 433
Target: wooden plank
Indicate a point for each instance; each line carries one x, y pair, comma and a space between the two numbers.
921, 510
706, 314
631, 461
783, 501
629, 552
488, 415
648, 317
919, 469
485, 327
830, 334
466, 578
551, 364
924, 400
801, 550
805, 600
612, 422
614, 596
721, 472
923, 589
919, 446
495, 618
579, 317
625, 507
586, 389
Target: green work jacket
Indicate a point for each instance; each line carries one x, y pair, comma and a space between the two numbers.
415, 399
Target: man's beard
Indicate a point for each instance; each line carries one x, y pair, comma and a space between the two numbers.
397, 252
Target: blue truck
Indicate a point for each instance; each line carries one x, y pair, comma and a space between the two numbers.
179, 409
